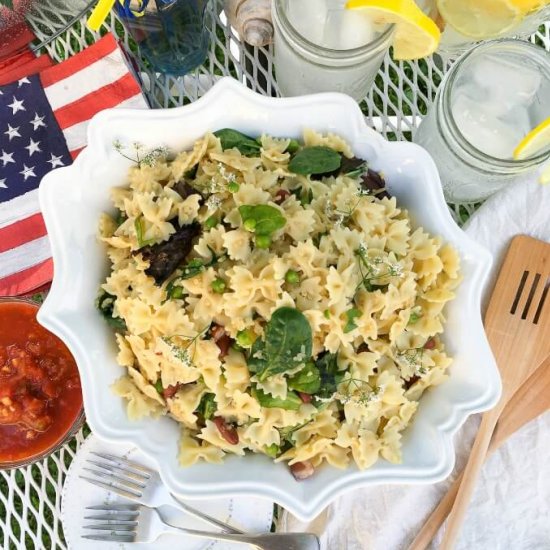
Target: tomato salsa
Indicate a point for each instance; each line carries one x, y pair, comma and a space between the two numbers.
40, 394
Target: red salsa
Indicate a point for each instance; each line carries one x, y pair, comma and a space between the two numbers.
40, 395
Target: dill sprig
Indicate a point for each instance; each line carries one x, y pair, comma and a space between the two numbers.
358, 391
150, 158
375, 271
412, 357
182, 352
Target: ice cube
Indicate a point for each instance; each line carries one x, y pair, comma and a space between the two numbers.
485, 131
508, 79
308, 17
346, 29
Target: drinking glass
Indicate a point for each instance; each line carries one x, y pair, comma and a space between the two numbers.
490, 99
171, 34
320, 46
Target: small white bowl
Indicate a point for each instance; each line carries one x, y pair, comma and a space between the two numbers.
72, 200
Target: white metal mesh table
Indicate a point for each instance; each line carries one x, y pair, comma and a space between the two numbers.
30, 498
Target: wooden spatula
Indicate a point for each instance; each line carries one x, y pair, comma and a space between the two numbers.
517, 324
531, 400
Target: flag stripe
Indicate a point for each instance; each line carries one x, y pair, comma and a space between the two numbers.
76, 87
100, 49
87, 106
76, 136
21, 232
19, 207
24, 256
27, 280
71, 94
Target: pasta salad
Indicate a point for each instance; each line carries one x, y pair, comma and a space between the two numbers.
270, 296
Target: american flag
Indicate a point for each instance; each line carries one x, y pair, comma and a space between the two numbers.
43, 123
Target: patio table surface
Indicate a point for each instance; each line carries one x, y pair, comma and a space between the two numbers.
30, 497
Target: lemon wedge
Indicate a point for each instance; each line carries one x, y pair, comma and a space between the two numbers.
416, 35
481, 19
534, 142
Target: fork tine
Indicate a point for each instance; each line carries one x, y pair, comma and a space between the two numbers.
113, 488
120, 461
118, 516
112, 526
124, 481
112, 537
115, 507
128, 472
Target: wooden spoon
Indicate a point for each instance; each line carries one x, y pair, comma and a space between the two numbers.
530, 401
517, 324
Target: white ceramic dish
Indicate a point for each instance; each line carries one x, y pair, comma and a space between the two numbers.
72, 199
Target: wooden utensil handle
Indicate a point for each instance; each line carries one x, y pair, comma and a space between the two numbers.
471, 473
530, 401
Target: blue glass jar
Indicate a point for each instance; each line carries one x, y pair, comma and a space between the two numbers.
171, 34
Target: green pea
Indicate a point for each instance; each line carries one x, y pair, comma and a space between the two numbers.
292, 277
218, 285
263, 241
272, 450
250, 224
233, 187
326, 313
211, 222
245, 338
176, 292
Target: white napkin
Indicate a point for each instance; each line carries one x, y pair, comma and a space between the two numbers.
511, 506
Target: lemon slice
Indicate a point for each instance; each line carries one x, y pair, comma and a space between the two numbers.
416, 35
534, 142
480, 19
526, 6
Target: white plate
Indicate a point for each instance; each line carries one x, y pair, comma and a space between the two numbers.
248, 514
72, 199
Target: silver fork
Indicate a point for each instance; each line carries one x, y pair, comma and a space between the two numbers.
133, 523
142, 485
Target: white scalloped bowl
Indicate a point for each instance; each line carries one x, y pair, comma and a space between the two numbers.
72, 200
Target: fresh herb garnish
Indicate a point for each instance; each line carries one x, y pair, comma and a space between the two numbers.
207, 407
158, 386
230, 139
315, 160
308, 380
375, 272
291, 403
105, 303
351, 315
287, 344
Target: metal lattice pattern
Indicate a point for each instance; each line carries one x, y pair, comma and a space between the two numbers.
30, 498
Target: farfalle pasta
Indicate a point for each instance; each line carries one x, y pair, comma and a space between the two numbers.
271, 297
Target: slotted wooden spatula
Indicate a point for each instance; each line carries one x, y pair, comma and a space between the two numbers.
517, 324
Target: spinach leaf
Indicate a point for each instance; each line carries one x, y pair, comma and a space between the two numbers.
307, 380
331, 376
262, 219
291, 403
287, 344
315, 160
234, 139
105, 303
207, 407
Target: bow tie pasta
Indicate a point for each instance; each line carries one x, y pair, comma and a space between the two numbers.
272, 297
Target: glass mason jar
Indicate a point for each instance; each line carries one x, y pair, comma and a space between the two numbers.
467, 173
302, 67
171, 34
